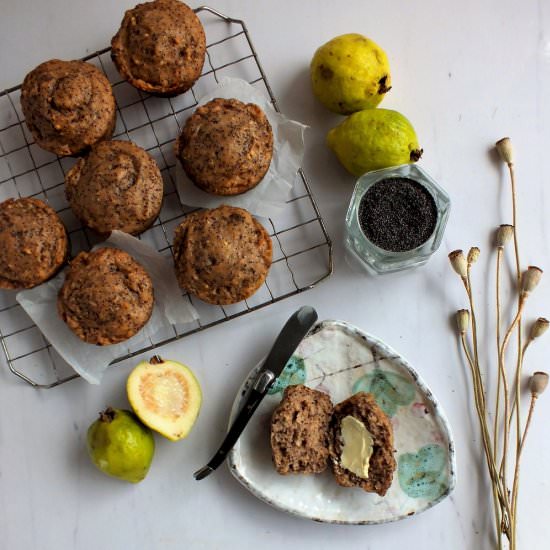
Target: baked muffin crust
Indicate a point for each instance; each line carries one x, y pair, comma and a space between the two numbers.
68, 106
160, 47
226, 146
117, 186
107, 296
33, 243
221, 255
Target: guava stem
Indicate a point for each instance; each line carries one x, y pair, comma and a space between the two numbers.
383, 88
156, 360
416, 154
108, 415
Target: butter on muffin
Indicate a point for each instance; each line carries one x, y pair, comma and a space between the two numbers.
107, 296
368, 419
160, 47
222, 255
226, 146
68, 106
33, 243
117, 186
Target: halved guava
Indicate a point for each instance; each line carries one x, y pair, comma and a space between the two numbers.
166, 396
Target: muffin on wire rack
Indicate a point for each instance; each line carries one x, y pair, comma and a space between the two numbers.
160, 47
68, 106
226, 146
222, 255
117, 186
107, 296
33, 243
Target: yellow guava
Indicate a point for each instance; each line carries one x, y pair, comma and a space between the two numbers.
374, 139
166, 396
350, 73
120, 445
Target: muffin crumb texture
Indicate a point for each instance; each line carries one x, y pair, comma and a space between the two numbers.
382, 463
107, 296
299, 431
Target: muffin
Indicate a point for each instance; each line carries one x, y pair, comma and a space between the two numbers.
226, 146
117, 186
160, 47
33, 243
68, 106
299, 431
107, 296
221, 255
362, 407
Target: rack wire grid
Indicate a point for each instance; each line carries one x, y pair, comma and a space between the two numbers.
302, 250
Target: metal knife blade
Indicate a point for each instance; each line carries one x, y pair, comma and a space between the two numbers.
285, 345
298, 325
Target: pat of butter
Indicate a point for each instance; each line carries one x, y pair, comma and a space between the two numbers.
357, 446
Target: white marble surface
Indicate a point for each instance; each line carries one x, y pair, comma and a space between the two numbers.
466, 73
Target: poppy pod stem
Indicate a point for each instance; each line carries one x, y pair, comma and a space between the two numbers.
537, 384
497, 452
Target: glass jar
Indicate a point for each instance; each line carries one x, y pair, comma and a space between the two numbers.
377, 260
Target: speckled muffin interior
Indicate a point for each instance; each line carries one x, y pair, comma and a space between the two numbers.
226, 146
33, 243
364, 408
222, 255
299, 431
160, 47
117, 186
68, 106
107, 296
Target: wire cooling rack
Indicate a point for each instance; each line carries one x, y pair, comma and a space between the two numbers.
302, 250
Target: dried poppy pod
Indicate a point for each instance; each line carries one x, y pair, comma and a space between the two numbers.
463, 320
505, 150
459, 262
538, 383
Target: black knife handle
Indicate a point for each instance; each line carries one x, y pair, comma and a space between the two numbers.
254, 398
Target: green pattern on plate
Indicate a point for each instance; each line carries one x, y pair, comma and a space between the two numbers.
390, 390
293, 373
422, 474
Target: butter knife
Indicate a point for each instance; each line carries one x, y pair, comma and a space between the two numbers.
285, 345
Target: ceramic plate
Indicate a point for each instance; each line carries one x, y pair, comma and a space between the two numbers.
341, 360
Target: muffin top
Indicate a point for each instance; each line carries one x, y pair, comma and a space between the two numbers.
226, 146
117, 186
68, 106
33, 243
221, 255
160, 47
107, 296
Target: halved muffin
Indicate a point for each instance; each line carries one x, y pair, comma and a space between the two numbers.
299, 431
364, 423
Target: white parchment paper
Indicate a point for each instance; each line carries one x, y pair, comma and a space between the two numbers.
269, 197
88, 360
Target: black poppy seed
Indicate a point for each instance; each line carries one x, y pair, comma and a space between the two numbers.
397, 214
